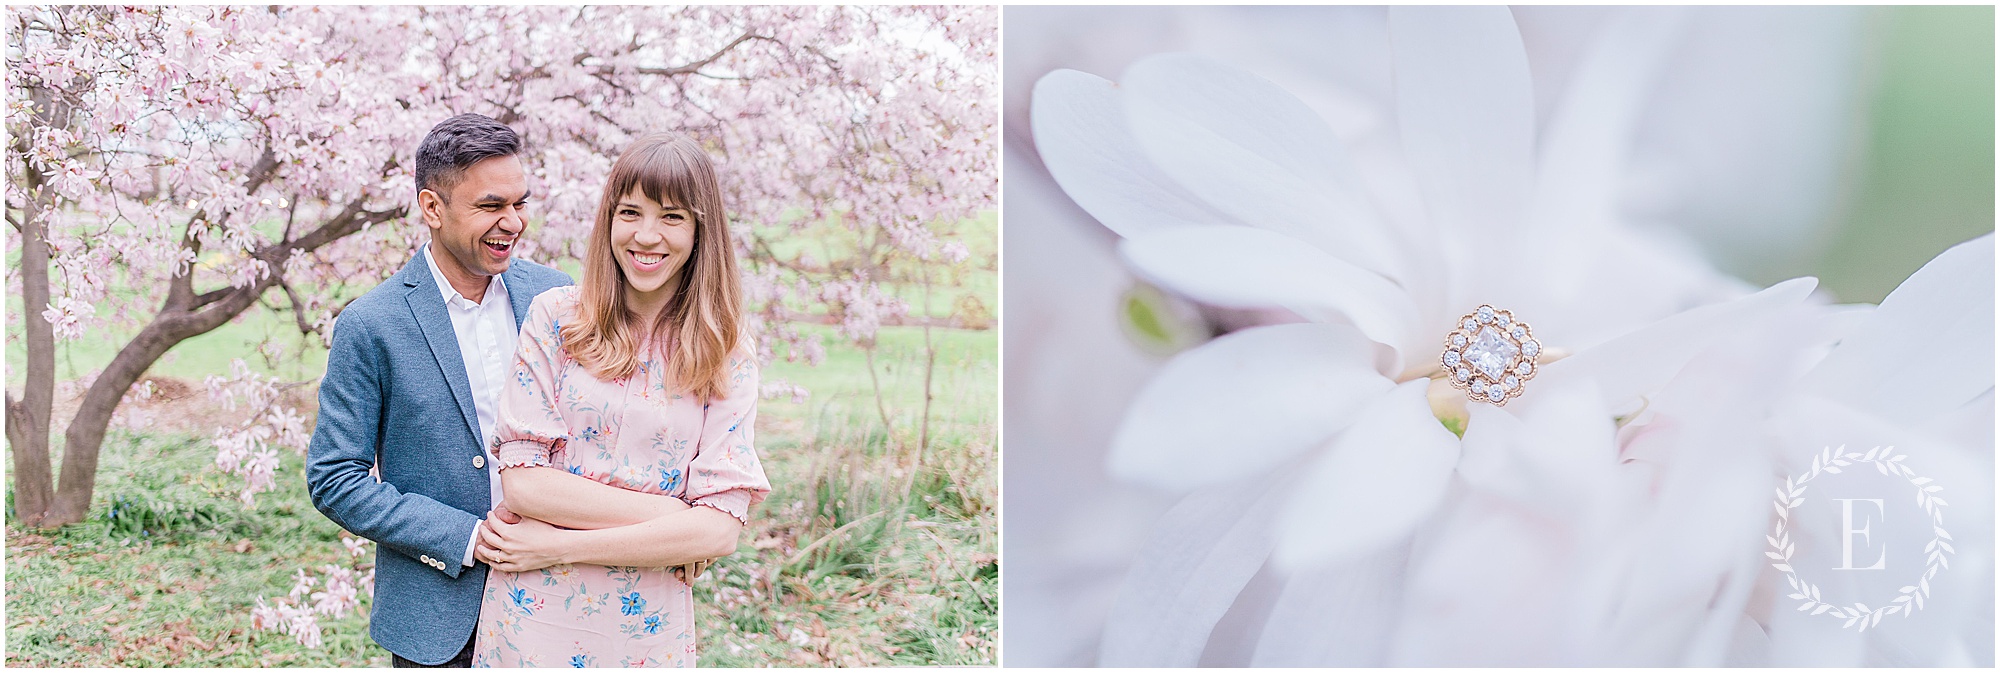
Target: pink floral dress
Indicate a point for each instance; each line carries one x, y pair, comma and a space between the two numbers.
636, 433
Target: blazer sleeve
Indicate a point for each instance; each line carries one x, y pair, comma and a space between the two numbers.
343, 450
725, 472
529, 429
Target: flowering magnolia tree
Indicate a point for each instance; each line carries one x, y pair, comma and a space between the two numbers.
172, 167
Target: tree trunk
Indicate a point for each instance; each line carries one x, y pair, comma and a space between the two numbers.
85, 436
930, 366
28, 417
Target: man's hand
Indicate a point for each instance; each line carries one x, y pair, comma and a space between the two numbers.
688, 572
528, 545
501, 512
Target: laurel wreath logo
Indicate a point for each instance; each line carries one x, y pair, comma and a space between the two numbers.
1910, 598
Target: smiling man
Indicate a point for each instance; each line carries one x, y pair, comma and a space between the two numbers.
411, 387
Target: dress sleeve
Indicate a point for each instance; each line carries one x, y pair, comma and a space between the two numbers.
725, 472
529, 430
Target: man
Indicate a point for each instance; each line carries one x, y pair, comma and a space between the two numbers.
411, 388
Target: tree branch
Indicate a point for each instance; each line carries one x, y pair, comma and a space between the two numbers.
298, 307
180, 288
208, 297
262, 171
695, 67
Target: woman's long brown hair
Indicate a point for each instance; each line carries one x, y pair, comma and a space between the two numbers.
700, 323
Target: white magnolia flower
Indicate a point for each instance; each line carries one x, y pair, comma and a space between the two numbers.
1230, 191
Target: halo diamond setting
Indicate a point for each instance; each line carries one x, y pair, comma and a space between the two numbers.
1491, 354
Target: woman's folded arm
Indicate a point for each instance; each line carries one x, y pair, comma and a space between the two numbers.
692, 534
573, 501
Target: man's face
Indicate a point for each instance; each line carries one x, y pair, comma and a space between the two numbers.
482, 217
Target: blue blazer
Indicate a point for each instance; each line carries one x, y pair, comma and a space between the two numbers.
396, 397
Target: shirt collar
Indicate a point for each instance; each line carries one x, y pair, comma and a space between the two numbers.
495, 290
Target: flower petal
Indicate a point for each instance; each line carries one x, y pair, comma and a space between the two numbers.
1380, 479
1080, 132
1201, 555
1488, 461
1244, 403
1586, 143
1554, 456
1630, 366
1466, 112
1242, 267
1070, 374
1332, 615
1928, 349
1252, 149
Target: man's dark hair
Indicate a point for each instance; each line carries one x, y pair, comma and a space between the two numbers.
457, 143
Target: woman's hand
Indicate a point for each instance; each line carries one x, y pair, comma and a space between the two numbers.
531, 544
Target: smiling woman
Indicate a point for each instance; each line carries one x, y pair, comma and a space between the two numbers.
629, 426
654, 187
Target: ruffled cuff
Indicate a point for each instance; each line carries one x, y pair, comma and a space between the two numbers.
528, 453
735, 502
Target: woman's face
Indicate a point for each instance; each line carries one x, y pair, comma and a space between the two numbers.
651, 241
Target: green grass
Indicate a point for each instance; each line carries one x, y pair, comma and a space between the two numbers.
899, 565
177, 592
873, 533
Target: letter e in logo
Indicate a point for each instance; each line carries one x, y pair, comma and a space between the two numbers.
1848, 531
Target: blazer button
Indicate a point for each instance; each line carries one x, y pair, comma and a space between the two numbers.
426, 558
478, 462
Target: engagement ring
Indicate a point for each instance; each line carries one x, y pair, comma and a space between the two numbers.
1490, 356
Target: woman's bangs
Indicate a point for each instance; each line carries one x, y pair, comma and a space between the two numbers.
662, 175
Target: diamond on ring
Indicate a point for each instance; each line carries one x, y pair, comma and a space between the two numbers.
1491, 355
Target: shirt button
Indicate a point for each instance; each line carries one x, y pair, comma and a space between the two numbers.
478, 462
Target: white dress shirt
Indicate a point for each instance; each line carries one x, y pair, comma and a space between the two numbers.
486, 339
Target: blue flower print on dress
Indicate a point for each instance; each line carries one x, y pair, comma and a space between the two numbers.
522, 601
652, 624
632, 603
670, 479
582, 661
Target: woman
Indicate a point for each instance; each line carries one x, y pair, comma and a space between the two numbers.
628, 422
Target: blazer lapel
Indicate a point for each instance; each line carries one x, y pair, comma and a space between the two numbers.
426, 302
515, 278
